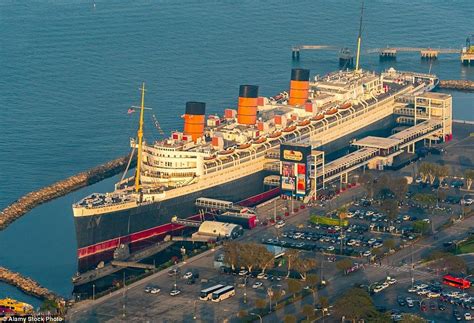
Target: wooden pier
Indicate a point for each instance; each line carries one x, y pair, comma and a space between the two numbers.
425, 53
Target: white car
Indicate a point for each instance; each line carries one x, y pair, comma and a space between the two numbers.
188, 275
467, 316
280, 224
385, 285
155, 290
391, 281
377, 245
406, 217
257, 285
330, 248
367, 253
260, 275
433, 294
175, 292
378, 288
243, 272
422, 292
372, 241
412, 290
369, 213
409, 302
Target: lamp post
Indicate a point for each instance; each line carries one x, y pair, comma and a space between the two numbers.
255, 314
194, 314
93, 292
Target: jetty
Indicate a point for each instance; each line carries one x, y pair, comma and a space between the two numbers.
27, 285
61, 188
461, 85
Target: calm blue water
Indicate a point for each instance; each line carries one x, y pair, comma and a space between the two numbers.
69, 72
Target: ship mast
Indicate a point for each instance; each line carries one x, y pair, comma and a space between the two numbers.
359, 39
140, 141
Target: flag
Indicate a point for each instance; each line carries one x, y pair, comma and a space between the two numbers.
130, 111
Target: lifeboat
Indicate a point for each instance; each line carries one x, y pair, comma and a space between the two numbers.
303, 123
226, 152
275, 134
260, 140
210, 157
244, 146
331, 111
318, 117
289, 129
346, 105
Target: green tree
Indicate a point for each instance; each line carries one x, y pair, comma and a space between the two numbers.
425, 169
260, 304
265, 258
366, 180
303, 266
344, 264
307, 311
399, 187
49, 305
290, 256
421, 227
294, 287
469, 176
231, 253
290, 318
412, 318
389, 244
355, 304
390, 208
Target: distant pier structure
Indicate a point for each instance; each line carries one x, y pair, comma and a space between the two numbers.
390, 53
467, 53
346, 57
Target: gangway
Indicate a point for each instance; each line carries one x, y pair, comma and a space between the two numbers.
209, 203
187, 223
131, 264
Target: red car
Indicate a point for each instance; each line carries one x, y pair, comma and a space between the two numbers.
424, 308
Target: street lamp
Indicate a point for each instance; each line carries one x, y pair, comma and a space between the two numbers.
194, 315
255, 314
93, 292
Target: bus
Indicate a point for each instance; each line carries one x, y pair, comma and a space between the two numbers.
223, 293
457, 282
206, 294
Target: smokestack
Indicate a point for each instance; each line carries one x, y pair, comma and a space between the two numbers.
194, 119
299, 86
248, 101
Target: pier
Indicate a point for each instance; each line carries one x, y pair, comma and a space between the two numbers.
61, 188
461, 85
425, 53
27, 285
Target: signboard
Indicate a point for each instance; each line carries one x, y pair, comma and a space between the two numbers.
294, 170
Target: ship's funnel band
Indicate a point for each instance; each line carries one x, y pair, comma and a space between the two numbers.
298, 92
248, 91
299, 74
196, 108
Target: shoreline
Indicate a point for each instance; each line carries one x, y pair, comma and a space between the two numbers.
45, 194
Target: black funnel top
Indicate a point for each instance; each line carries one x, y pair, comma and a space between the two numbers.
195, 108
248, 91
299, 74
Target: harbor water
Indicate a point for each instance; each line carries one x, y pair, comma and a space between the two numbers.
70, 71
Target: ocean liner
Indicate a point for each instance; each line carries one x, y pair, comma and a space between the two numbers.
223, 157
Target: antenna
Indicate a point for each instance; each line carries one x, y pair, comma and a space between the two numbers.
359, 39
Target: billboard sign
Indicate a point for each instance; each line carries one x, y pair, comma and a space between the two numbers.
294, 170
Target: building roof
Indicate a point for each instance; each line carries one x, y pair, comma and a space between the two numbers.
434, 95
377, 142
215, 228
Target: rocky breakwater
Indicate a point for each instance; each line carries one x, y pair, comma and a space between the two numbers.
28, 286
461, 85
63, 187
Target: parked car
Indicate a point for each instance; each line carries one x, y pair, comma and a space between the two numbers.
188, 275
280, 224
155, 290
257, 284
175, 292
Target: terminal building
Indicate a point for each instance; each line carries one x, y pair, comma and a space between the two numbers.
422, 120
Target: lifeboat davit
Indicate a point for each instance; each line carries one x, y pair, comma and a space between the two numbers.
226, 152
260, 140
318, 117
331, 111
244, 146
289, 129
275, 134
346, 105
303, 123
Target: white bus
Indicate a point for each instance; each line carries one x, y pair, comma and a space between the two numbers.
206, 294
223, 293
